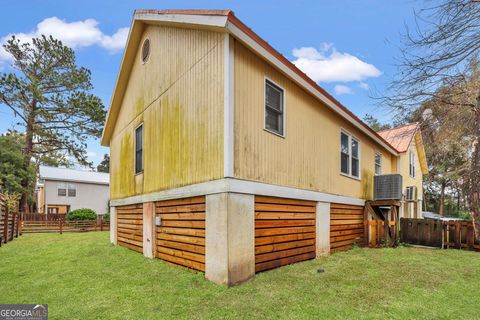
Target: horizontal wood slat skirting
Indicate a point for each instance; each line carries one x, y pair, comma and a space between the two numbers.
130, 226
180, 239
346, 227
284, 231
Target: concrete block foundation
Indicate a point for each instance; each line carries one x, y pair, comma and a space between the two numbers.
230, 238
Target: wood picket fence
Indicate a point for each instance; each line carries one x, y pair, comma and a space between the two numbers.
440, 234
48, 223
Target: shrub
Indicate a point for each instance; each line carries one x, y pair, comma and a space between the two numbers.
82, 214
106, 216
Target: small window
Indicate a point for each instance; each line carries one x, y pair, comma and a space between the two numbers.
378, 163
274, 108
145, 50
62, 189
355, 160
139, 149
72, 190
345, 154
349, 155
412, 164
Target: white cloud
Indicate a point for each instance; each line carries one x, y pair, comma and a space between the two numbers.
116, 41
326, 64
363, 85
341, 89
91, 154
74, 34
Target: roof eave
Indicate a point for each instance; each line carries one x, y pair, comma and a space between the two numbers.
213, 21
103, 183
129, 51
240, 31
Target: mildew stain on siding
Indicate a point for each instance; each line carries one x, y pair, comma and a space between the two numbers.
178, 95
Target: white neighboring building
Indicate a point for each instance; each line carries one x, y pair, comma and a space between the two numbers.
61, 190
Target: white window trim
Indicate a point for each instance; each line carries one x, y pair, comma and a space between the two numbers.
135, 150
66, 189
284, 108
67, 184
74, 188
411, 164
378, 153
350, 137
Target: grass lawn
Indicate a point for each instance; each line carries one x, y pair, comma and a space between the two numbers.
81, 276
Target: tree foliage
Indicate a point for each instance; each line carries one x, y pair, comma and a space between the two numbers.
12, 170
52, 99
375, 124
104, 165
439, 65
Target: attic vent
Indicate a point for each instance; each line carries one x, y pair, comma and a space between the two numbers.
145, 50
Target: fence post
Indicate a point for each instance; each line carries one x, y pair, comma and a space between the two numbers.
22, 218
373, 232
12, 232
458, 240
470, 236
5, 226
17, 225
101, 223
61, 224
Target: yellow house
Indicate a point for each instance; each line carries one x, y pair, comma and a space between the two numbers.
226, 158
412, 164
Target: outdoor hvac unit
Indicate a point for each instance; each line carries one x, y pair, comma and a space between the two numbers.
411, 193
388, 187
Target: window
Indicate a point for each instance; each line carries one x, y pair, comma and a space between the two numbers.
72, 190
349, 155
274, 108
345, 154
355, 160
139, 149
67, 189
62, 189
378, 163
412, 164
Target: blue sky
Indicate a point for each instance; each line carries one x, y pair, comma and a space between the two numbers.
348, 46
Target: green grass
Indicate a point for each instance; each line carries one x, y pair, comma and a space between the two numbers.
81, 276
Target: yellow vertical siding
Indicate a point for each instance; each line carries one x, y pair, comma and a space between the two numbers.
178, 95
309, 155
407, 179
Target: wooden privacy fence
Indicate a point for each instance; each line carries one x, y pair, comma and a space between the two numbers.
440, 234
376, 233
9, 225
47, 223
459, 235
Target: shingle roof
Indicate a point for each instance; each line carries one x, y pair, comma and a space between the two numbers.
400, 137
64, 174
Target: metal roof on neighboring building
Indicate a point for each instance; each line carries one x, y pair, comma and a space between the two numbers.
436, 216
65, 174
